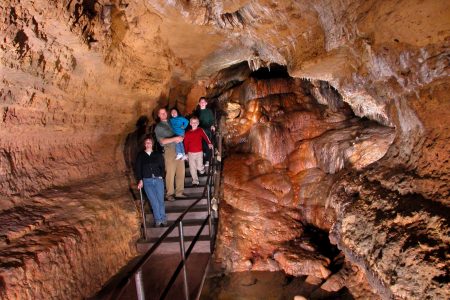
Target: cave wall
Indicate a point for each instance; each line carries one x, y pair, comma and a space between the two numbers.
71, 90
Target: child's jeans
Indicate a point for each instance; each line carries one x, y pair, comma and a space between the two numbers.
179, 148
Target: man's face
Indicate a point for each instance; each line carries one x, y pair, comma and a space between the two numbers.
162, 114
194, 123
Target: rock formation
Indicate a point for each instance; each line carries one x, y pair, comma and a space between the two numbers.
337, 120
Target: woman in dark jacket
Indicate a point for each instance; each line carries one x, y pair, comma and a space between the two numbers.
149, 173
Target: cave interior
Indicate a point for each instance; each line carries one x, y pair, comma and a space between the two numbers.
334, 117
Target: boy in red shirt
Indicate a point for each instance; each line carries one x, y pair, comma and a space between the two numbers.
193, 147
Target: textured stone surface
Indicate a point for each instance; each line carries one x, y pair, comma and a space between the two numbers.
80, 236
75, 76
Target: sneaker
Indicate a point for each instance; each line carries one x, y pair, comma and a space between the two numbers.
164, 224
170, 198
158, 224
195, 184
185, 157
207, 164
202, 172
179, 156
181, 196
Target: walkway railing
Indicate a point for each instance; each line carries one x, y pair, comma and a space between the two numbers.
135, 274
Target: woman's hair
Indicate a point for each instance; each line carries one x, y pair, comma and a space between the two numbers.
147, 137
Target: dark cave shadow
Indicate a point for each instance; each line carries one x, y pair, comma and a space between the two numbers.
133, 144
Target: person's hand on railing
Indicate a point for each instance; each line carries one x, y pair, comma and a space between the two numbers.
213, 129
140, 184
210, 146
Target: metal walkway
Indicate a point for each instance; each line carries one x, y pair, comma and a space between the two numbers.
175, 258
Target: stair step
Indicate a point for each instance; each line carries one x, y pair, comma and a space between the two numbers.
197, 212
172, 245
200, 214
182, 209
190, 190
184, 202
186, 223
189, 230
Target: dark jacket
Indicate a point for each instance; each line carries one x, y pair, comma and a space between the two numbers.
149, 166
206, 118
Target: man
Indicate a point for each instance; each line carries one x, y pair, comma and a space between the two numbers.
175, 170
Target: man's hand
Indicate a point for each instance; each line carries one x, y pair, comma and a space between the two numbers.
213, 128
178, 139
210, 146
140, 184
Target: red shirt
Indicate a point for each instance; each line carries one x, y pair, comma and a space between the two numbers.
193, 140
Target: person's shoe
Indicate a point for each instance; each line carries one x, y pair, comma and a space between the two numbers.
185, 157
164, 224
195, 184
181, 196
158, 224
207, 164
170, 198
202, 172
179, 156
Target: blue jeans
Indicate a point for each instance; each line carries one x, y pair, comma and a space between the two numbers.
179, 148
154, 188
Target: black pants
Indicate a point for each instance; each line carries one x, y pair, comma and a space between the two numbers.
206, 150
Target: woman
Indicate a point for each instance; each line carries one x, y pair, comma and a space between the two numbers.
149, 173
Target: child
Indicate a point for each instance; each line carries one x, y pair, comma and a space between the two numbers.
193, 145
179, 124
206, 118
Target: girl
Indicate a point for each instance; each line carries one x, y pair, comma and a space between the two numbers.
179, 124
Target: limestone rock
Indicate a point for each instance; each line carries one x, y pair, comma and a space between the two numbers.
303, 263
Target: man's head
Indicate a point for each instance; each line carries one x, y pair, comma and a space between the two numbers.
202, 102
162, 114
194, 122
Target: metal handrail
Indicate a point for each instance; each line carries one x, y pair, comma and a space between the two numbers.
136, 271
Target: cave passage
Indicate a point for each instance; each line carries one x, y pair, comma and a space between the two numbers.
334, 117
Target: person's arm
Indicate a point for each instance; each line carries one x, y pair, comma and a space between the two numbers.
138, 170
175, 139
206, 139
186, 143
165, 141
162, 165
210, 117
184, 122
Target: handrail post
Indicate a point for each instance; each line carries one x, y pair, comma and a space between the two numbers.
183, 258
144, 225
208, 198
139, 285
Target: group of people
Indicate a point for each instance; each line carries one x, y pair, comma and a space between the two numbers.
178, 144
